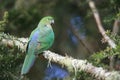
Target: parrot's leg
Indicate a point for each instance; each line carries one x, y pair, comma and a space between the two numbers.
49, 63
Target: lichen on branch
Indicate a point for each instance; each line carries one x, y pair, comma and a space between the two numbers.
12, 41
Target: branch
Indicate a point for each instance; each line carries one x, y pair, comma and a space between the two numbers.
99, 24
116, 26
70, 63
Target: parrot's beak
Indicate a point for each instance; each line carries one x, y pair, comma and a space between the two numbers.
52, 21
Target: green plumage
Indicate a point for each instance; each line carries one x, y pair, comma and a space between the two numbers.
40, 39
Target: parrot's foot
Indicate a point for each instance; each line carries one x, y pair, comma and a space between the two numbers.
49, 63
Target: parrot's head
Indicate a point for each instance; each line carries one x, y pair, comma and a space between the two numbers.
47, 20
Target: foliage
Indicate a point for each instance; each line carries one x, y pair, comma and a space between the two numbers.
10, 60
84, 76
112, 13
102, 58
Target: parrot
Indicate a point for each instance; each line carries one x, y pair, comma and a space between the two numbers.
41, 39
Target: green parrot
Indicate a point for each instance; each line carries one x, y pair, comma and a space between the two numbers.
40, 39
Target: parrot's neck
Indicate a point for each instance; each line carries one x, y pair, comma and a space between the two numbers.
44, 25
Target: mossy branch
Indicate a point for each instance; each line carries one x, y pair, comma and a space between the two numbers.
12, 41
70, 63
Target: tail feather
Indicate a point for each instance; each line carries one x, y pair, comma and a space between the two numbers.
28, 63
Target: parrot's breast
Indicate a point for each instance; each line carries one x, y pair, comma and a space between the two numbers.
47, 38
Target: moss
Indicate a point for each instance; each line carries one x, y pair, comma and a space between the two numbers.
4, 21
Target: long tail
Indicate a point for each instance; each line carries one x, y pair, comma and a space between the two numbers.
28, 63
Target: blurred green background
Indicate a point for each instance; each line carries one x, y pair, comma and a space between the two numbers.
71, 17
